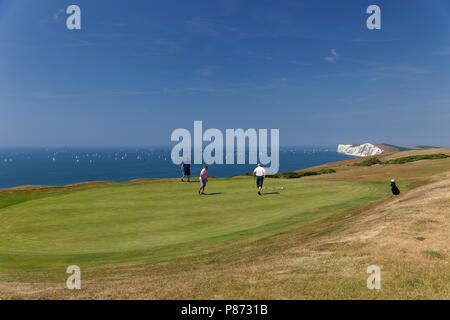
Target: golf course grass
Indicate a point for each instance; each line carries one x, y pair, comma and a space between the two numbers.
306, 238
160, 219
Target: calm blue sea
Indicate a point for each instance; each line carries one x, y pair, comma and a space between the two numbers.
57, 166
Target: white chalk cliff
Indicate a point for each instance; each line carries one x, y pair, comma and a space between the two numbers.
359, 150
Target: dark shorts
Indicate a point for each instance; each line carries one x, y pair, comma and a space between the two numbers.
187, 171
203, 182
259, 182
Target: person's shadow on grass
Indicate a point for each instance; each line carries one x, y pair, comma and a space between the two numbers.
269, 193
212, 194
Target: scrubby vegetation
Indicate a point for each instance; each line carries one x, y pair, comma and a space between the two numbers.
295, 175
417, 158
373, 161
368, 162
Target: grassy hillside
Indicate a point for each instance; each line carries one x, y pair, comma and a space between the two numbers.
311, 237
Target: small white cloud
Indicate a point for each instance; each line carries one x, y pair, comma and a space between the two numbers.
58, 14
334, 56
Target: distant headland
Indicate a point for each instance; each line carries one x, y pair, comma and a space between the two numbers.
372, 149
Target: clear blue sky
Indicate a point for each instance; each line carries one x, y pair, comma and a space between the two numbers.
139, 69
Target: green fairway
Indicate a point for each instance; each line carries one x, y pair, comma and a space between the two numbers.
159, 219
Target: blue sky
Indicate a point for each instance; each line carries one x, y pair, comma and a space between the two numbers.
140, 69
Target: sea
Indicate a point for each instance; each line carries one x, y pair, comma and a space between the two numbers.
61, 166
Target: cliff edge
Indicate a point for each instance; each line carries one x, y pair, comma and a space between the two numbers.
368, 149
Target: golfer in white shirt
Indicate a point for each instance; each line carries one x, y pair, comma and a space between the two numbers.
259, 173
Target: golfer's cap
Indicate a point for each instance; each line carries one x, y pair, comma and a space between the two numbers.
392, 180
259, 165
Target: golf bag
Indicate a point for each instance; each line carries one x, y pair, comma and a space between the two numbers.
395, 190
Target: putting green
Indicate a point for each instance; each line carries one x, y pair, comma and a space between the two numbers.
161, 219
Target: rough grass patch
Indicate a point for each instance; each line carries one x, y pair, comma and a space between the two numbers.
435, 254
414, 282
368, 162
426, 221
